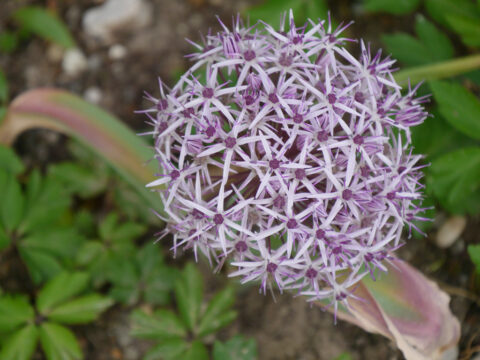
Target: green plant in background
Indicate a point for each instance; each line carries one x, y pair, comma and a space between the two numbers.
36, 220
144, 277
3, 95
64, 300
182, 334
114, 242
38, 21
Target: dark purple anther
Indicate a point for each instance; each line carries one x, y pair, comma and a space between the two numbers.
218, 219
271, 267
347, 194
331, 98
249, 55
337, 250
292, 224
391, 195
364, 171
300, 174
274, 164
230, 142
320, 234
285, 60
210, 131
187, 113
368, 257
162, 127
249, 100
162, 104
359, 97
279, 202
273, 98
322, 136
207, 93
175, 174
311, 273
297, 118
358, 140
241, 246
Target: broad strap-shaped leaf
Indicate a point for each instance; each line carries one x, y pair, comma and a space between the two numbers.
108, 137
4, 238
42, 266
43, 23
59, 343
455, 180
4, 90
406, 307
189, 295
60, 289
458, 106
218, 313
21, 344
440, 9
14, 312
171, 349
161, 325
82, 310
237, 348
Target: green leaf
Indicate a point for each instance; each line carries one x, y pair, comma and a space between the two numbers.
89, 252
60, 289
14, 311
431, 46
406, 49
161, 325
21, 344
47, 202
82, 310
455, 180
79, 179
3, 88
59, 343
467, 28
197, 351
12, 204
435, 137
189, 295
458, 106
8, 41
237, 348
10, 162
271, 11
62, 243
43, 23
168, 350
216, 314
344, 356
439, 9
436, 42
41, 265
397, 7
474, 252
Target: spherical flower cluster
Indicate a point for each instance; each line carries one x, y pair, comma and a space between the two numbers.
284, 155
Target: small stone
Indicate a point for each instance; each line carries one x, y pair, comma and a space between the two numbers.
102, 22
74, 62
93, 95
450, 231
117, 52
55, 53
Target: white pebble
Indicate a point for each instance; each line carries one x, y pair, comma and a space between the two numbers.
74, 62
93, 94
117, 52
450, 231
103, 21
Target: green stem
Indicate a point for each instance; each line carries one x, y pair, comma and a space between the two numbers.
438, 70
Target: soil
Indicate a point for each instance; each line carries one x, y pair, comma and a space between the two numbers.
285, 328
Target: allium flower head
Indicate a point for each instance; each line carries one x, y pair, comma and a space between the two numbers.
286, 156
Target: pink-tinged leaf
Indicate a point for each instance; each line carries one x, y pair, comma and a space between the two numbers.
67, 113
408, 308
